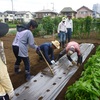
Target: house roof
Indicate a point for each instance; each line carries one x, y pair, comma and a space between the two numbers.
22, 12
46, 11
85, 8
1, 13
10, 12
67, 9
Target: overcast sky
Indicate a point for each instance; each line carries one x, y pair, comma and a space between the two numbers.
36, 5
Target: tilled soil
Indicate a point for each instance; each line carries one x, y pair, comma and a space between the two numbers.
36, 65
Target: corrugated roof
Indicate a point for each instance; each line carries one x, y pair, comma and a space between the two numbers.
67, 9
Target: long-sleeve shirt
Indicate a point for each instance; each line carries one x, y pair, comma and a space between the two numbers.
22, 40
47, 50
5, 82
69, 24
62, 27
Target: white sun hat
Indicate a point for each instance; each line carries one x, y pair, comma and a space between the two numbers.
63, 18
71, 50
56, 44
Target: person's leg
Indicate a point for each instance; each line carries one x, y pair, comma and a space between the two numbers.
27, 68
66, 36
64, 39
80, 58
69, 34
6, 97
61, 39
63, 52
18, 59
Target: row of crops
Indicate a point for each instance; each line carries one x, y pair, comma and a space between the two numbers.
82, 27
88, 86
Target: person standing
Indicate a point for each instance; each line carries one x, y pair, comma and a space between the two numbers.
6, 87
23, 39
69, 26
62, 32
48, 51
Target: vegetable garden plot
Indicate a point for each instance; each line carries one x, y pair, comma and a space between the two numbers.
44, 87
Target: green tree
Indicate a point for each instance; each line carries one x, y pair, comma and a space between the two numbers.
48, 25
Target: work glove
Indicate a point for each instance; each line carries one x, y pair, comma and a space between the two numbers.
78, 64
74, 63
38, 50
52, 62
11, 94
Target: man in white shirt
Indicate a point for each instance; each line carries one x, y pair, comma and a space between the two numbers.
69, 26
62, 32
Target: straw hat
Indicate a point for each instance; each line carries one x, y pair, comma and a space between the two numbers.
71, 50
56, 44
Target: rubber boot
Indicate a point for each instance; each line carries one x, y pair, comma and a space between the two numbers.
27, 75
17, 69
63, 44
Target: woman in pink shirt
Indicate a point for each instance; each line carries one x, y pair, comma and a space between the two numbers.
71, 48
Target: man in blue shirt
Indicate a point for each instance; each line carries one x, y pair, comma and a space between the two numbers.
48, 51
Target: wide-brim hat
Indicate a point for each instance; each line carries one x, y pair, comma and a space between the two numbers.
4, 28
56, 44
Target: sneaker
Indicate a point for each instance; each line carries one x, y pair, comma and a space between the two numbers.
17, 70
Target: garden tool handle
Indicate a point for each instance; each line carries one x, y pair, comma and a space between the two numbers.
46, 62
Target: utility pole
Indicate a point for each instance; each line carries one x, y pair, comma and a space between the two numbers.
53, 6
12, 10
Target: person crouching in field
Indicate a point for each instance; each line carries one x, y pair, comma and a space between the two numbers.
48, 51
71, 48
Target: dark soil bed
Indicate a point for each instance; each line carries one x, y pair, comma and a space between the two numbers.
37, 66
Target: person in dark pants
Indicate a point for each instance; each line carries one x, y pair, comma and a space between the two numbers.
23, 39
6, 87
72, 47
48, 51
69, 26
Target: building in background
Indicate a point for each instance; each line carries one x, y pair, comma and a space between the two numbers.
68, 10
44, 13
83, 12
96, 10
23, 16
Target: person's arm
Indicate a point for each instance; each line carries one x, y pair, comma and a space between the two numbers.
58, 30
31, 41
52, 55
69, 58
46, 54
63, 52
72, 26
